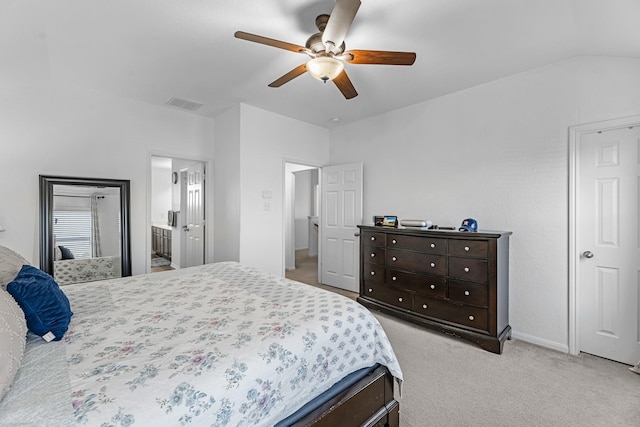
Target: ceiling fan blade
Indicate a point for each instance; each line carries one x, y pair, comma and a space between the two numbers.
340, 21
299, 70
345, 86
270, 42
380, 57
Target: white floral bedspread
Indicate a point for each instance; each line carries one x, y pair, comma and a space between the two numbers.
222, 346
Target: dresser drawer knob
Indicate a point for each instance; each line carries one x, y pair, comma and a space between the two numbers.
432, 286
394, 259
425, 306
373, 273
433, 245
394, 241
471, 318
433, 264
466, 248
370, 290
373, 238
400, 299
373, 255
394, 278
467, 293
466, 269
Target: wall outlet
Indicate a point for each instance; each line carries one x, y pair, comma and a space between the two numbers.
267, 206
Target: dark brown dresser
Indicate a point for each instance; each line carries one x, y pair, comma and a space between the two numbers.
454, 282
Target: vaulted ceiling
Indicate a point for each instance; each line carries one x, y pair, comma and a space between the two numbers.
153, 50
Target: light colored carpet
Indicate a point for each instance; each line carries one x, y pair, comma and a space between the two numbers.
449, 382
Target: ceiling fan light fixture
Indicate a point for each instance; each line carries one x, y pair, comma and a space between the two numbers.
328, 52
325, 68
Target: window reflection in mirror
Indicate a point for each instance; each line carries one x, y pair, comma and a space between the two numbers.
86, 222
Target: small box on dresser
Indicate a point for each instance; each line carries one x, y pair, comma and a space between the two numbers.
450, 281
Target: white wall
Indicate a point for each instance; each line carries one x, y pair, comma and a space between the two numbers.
227, 185
497, 153
161, 191
302, 208
55, 130
267, 141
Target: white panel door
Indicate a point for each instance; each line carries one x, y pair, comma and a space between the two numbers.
194, 216
608, 242
341, 214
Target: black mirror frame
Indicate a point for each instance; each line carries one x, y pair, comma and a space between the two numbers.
46, 219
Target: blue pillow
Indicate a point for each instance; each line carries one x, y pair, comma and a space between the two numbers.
45, 306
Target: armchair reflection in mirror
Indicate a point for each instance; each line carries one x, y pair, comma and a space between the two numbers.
84, 228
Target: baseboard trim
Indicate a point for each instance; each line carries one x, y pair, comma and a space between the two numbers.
564, 348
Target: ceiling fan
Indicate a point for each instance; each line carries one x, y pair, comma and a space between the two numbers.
327, 50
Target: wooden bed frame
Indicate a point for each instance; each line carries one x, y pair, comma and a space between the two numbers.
369, 402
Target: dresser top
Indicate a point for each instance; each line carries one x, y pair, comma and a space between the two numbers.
419, 231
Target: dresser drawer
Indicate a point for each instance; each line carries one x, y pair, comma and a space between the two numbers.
430, 307
373, 238
417, 261
473, 317
388, 294
373, 272
469, 292
428, 245
434, 286
469, 248
373, 254
469, 269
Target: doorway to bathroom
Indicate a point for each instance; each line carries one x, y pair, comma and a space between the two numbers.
177, 213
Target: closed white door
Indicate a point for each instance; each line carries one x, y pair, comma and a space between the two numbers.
194, 215
608, 242
341, 214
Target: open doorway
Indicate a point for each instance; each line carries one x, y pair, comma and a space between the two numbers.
177, 213
301, 222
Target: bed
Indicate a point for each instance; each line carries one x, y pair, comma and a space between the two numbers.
220, 344
68, 271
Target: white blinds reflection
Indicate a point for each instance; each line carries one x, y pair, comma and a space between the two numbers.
72, 229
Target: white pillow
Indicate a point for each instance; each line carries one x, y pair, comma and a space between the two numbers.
10, 264
13, 338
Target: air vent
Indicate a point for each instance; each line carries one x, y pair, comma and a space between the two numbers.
185, 104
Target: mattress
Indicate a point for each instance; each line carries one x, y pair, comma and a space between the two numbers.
220, 344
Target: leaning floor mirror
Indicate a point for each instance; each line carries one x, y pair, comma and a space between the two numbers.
84, 228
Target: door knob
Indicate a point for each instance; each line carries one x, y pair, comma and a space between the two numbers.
356, 234
587, 254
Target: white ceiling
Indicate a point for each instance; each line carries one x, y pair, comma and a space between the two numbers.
152, 50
